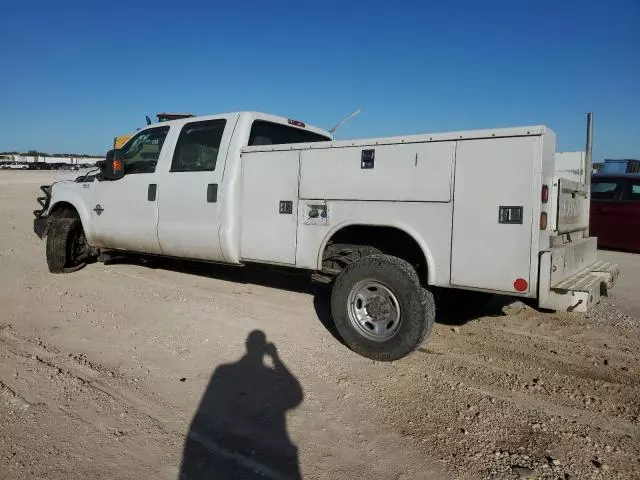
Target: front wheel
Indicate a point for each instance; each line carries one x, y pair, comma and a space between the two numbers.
67, 248
380, 309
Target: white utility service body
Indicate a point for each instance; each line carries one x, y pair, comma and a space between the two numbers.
445, 191
486, 209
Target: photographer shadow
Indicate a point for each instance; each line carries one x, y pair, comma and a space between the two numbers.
240, 430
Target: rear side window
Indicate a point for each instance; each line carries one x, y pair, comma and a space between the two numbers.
198, 146
141, 153
268, 133
632, 192
604, 189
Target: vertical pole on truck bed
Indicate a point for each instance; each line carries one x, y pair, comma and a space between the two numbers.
588, 165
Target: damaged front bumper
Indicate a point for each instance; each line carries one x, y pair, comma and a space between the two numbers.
41, 222
41, 226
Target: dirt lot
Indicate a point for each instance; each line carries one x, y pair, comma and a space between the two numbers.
105, 372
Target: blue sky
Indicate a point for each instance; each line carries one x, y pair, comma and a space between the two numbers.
74, 75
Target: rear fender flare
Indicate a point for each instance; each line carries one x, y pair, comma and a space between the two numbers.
426, 251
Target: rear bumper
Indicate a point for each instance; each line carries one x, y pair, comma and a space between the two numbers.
572, 279
603, 272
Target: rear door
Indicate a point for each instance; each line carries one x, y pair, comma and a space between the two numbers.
493, 212
605, 200
189, 193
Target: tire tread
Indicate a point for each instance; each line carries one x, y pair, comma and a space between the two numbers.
417, 300
57, 244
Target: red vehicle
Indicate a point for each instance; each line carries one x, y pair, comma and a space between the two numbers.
615, 210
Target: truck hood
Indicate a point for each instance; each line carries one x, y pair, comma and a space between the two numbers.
72, 175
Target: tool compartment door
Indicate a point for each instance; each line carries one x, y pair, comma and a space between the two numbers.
269, 206
493, 212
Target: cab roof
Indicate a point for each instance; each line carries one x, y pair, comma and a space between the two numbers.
252, 116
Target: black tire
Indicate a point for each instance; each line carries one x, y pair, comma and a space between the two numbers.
63, 233
416, 306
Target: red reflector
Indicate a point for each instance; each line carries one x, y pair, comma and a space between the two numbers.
297, 123
545, 193
520, 285
543, 221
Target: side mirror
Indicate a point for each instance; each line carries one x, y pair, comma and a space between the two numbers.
112, 168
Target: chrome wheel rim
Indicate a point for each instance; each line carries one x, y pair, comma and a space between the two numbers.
373, 310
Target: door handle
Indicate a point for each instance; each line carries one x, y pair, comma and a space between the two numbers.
212, 193
151, 193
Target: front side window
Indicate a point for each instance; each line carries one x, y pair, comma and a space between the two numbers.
269, 133
604, 189
141, 153
632, 192
198, 146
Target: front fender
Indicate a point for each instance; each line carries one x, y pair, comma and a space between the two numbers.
67, 194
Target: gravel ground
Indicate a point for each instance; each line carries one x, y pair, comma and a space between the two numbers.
130, 370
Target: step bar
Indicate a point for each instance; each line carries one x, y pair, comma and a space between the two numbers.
578, 292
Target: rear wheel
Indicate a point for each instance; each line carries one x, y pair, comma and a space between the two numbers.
380, 309
67, 248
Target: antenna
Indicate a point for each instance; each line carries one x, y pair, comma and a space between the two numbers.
344, 120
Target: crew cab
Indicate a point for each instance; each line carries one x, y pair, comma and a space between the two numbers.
387, 222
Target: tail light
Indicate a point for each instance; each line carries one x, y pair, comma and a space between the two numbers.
520, 285
545, 193
543, 221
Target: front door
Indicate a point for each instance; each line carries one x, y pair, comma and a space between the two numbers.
191, 189
125, 211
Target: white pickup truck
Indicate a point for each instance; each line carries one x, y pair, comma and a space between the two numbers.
14, 166
386, 221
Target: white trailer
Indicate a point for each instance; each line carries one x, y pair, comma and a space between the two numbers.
386, 221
